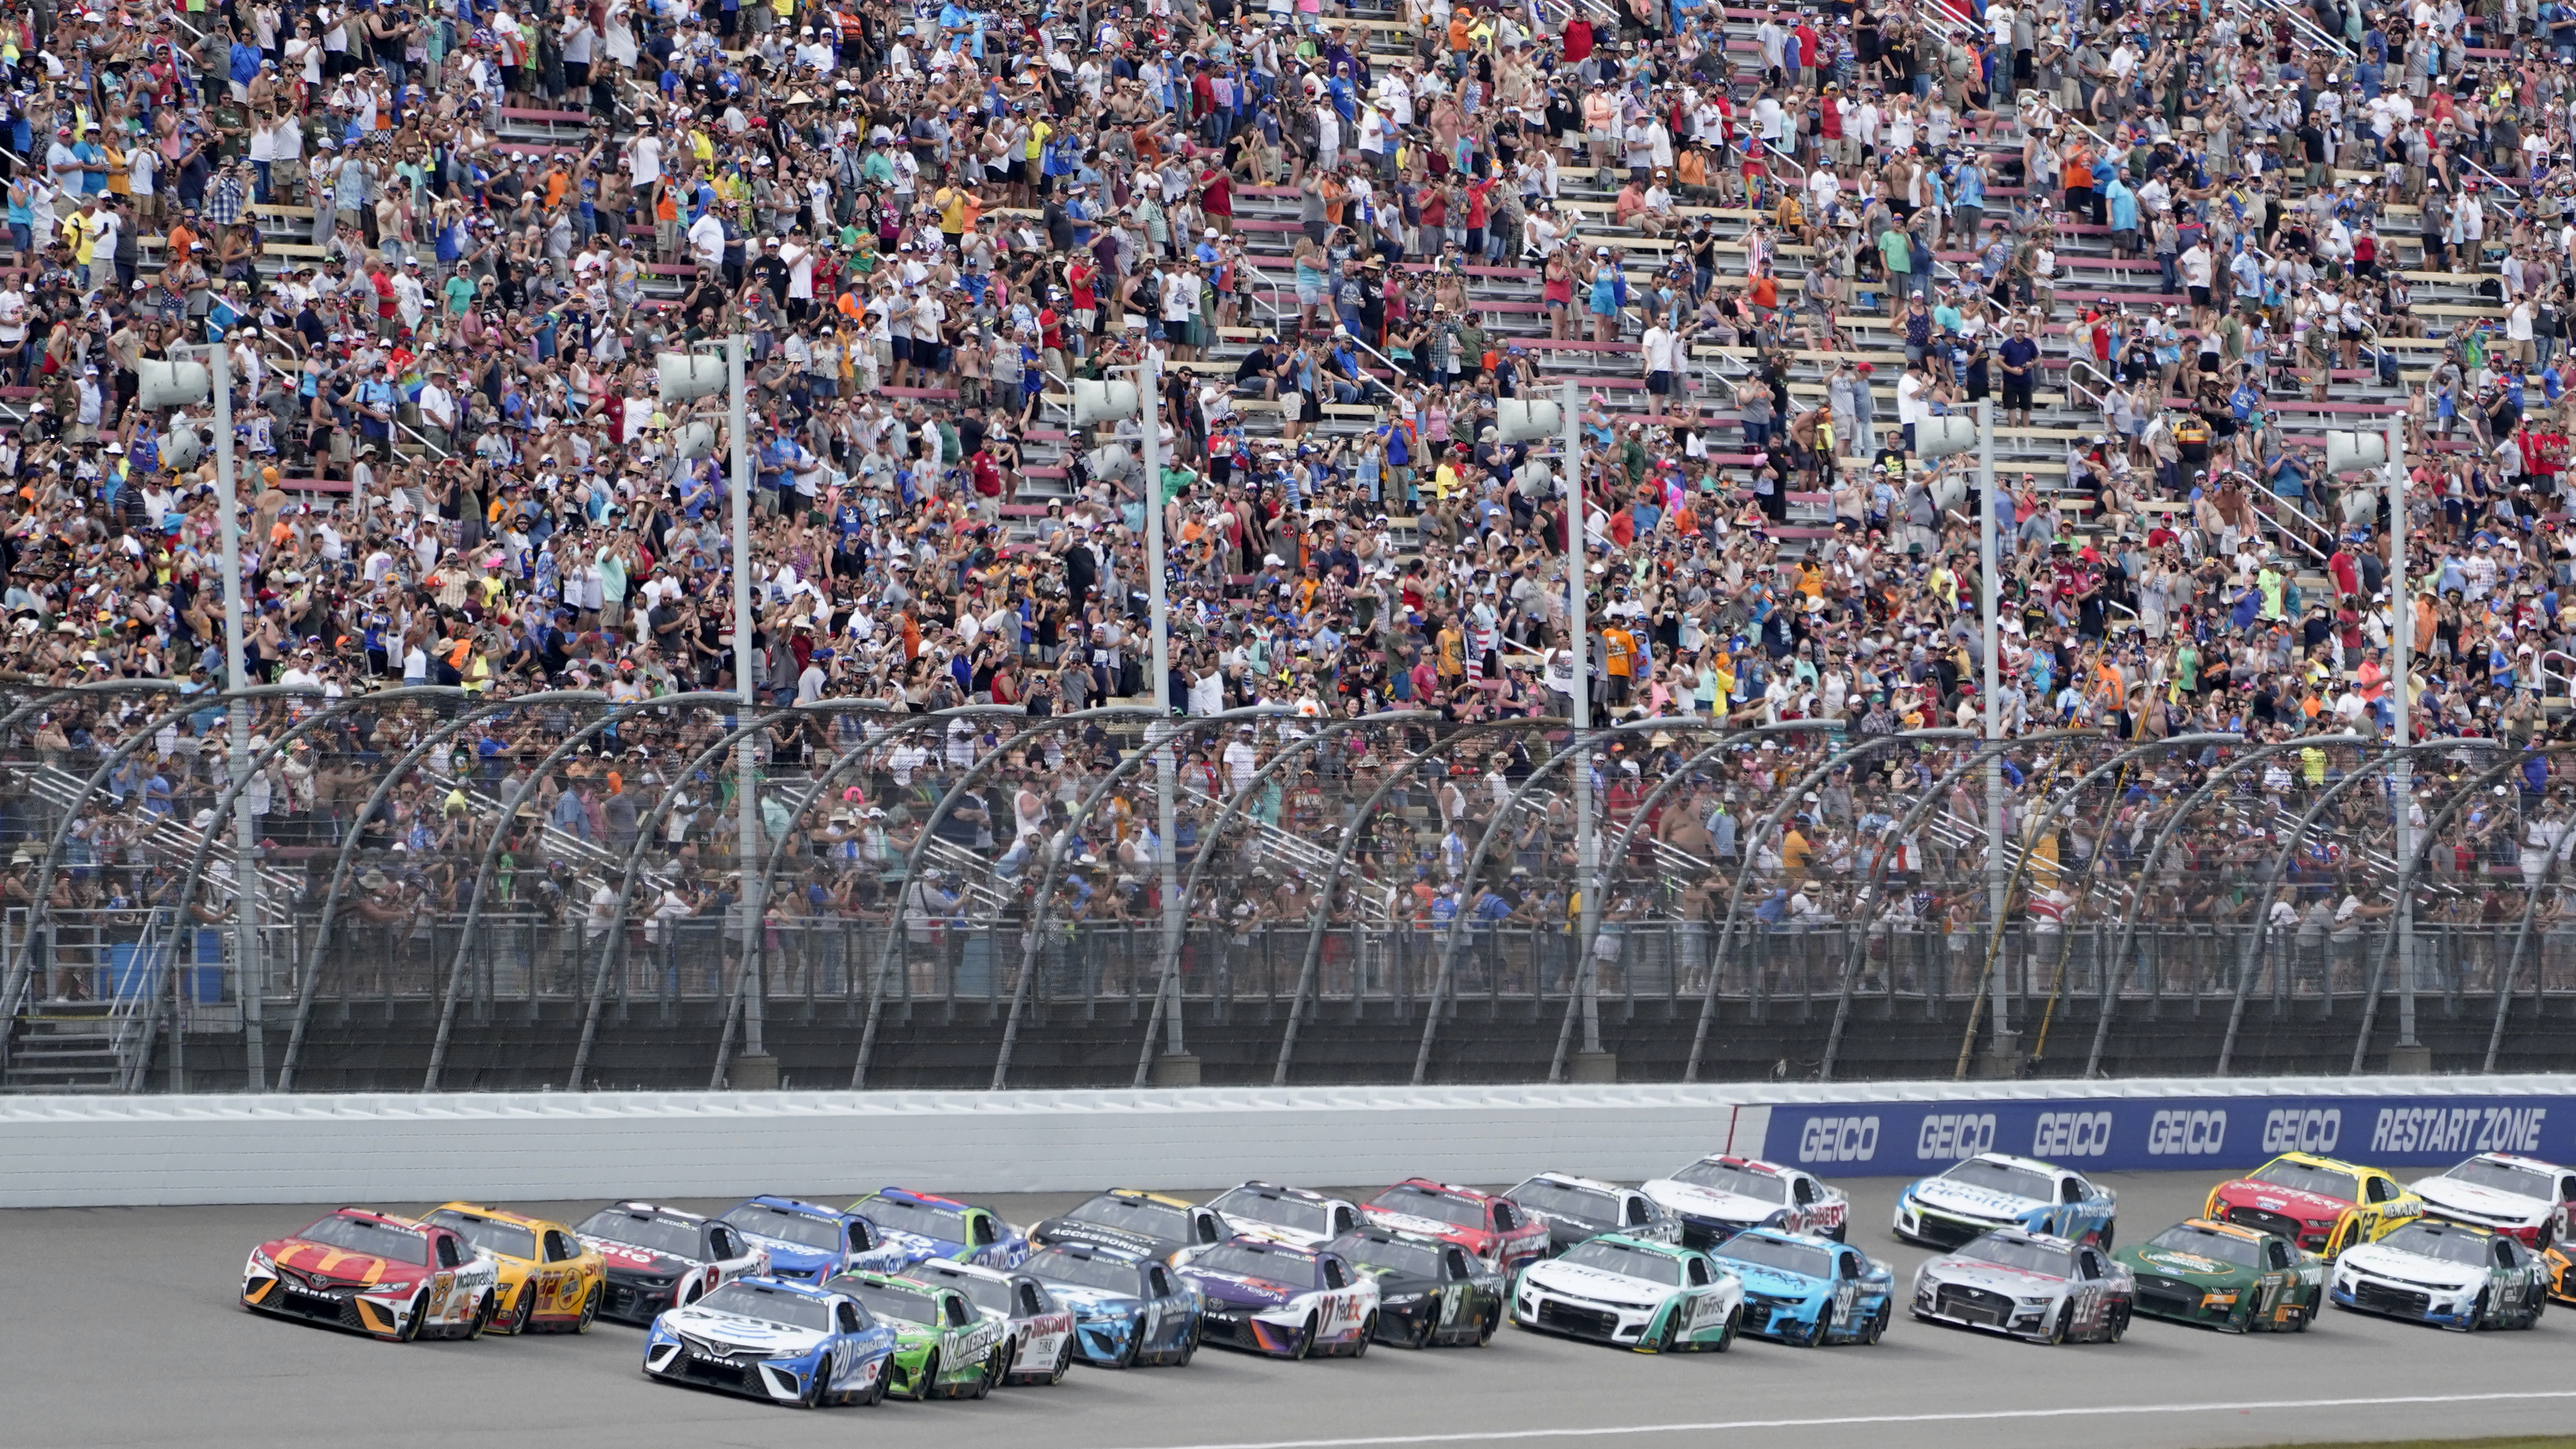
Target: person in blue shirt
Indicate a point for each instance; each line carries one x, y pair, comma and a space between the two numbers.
2124, 218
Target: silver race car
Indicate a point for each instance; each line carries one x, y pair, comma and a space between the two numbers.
2028, 1285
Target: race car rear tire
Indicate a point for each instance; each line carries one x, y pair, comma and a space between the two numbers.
2532, 1311
818, 1392
2115, 1323
1485, 1326
1836, 1233
1368, 1330
985, 1376
874, 1393
589, 1310
2300, 1315
1009, 1354
1876, 1328
1189, 1348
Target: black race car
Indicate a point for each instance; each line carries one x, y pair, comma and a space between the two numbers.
661, 1257
1577, 1208
1145, 1223
1428, 1292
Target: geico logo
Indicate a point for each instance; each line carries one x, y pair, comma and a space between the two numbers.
2186, 1134
2071, 1134
1838, 1139
1951, 1135
2295, 1129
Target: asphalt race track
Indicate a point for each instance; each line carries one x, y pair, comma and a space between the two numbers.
125, 1330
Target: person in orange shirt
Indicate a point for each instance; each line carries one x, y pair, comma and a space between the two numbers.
1619, 662
2077, 176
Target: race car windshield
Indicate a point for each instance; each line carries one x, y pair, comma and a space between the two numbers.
1280, 1212
2503, 1177
1058, 1266
1284, 1269
1417, 1202
2430, 1242
1772, 1253
376, 1240
501, 1240
1741, 1181
2319, 1181
2003, 1178
2201, 1242
786, 1227
946, 1224
2029, 1257
1135, 1215
653, 1235
1625, 1261
1419, 1260
898, 1303
769, 1306
983, 1292
1591, 1203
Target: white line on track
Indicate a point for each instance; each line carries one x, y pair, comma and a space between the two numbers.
2081, 1411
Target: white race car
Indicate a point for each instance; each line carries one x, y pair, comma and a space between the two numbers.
1718, 1197
1614, 1289
1993, 1190
2028, 1285
2441, 1273
1290, 1215
2520, 1197
1040, 1328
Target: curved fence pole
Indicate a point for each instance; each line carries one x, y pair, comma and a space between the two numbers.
1585, 940
1036, 942
1873, 891
1039, 727
1167, 971
2406, 871
726, 701
2298, 834
1315, 922
2218, 776
349, 845
1475, 865
2532, 892
1750, 845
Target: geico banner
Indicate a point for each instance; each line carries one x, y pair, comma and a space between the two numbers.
2130, 1134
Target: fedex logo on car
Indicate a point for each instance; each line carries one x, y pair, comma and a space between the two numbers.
1838, 1139
2071, 1134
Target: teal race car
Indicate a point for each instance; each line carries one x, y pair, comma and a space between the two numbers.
943, 1348
1804, 1290
1648, 1296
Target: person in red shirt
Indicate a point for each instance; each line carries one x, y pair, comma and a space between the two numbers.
1216, 199
1578, 40
2343, 572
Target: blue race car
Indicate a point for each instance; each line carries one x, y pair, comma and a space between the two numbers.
921, 1227
808, 1244
1992, 1190
784, 1342
1806, 1290
1128, 1307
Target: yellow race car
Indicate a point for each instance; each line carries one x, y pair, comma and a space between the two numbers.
551, 1281
2321, 1204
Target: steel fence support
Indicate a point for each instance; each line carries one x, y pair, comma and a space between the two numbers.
2532, 892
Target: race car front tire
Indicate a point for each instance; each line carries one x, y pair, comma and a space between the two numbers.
1671, 1338
929, 1379
485, 1310
1305, 1339
1135, 1345
409, 1328
1726, 1334
819, 1391
2058, 1329
527, 1309
2477, 1314
1063, 1362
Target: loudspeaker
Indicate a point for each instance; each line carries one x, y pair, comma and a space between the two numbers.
2355, 452
1113, 460
1095, 403
1521, 421
181, 447
1949, 492
172, 384
1942, 436
696, 440
688, 375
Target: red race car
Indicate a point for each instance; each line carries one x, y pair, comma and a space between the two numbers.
1497, 1233
386, 1276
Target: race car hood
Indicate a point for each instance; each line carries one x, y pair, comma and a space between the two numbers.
726, 1332
1582, 1282
2415, 1268
1235, 1290
2482, 1201
1567, 1230
1393, 1284
1994, 1277
1074, 1230
1762, 1278
915, 1247
1473, 1239
1692, 1200
1081, 1298
784, 1254
1273, 1232
627, 1258
2244, 1192
2185, 1266
320, 1263
1975, 1202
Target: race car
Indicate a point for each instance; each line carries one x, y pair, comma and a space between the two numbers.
1576, 1208
1147, 1223
2524, 1197
2240, 1279
1804, 1290
1039, 1329
386, 1276
1718, 1197
550, 1282
1493, 1232
1990, 1191
1290, 1215
2446, 1274
1129, 1308
767, 1339
2323, 1205
922, 1227
943, 1348
2037, 1286
1631, 1293
807, 1243
1282, 1301
1428, 1292
661, 1257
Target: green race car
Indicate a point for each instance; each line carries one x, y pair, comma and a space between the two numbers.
2227, 1276
942, 1346
1649, 1296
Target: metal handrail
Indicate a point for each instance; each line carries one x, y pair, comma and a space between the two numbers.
2099, 400
2255, 486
